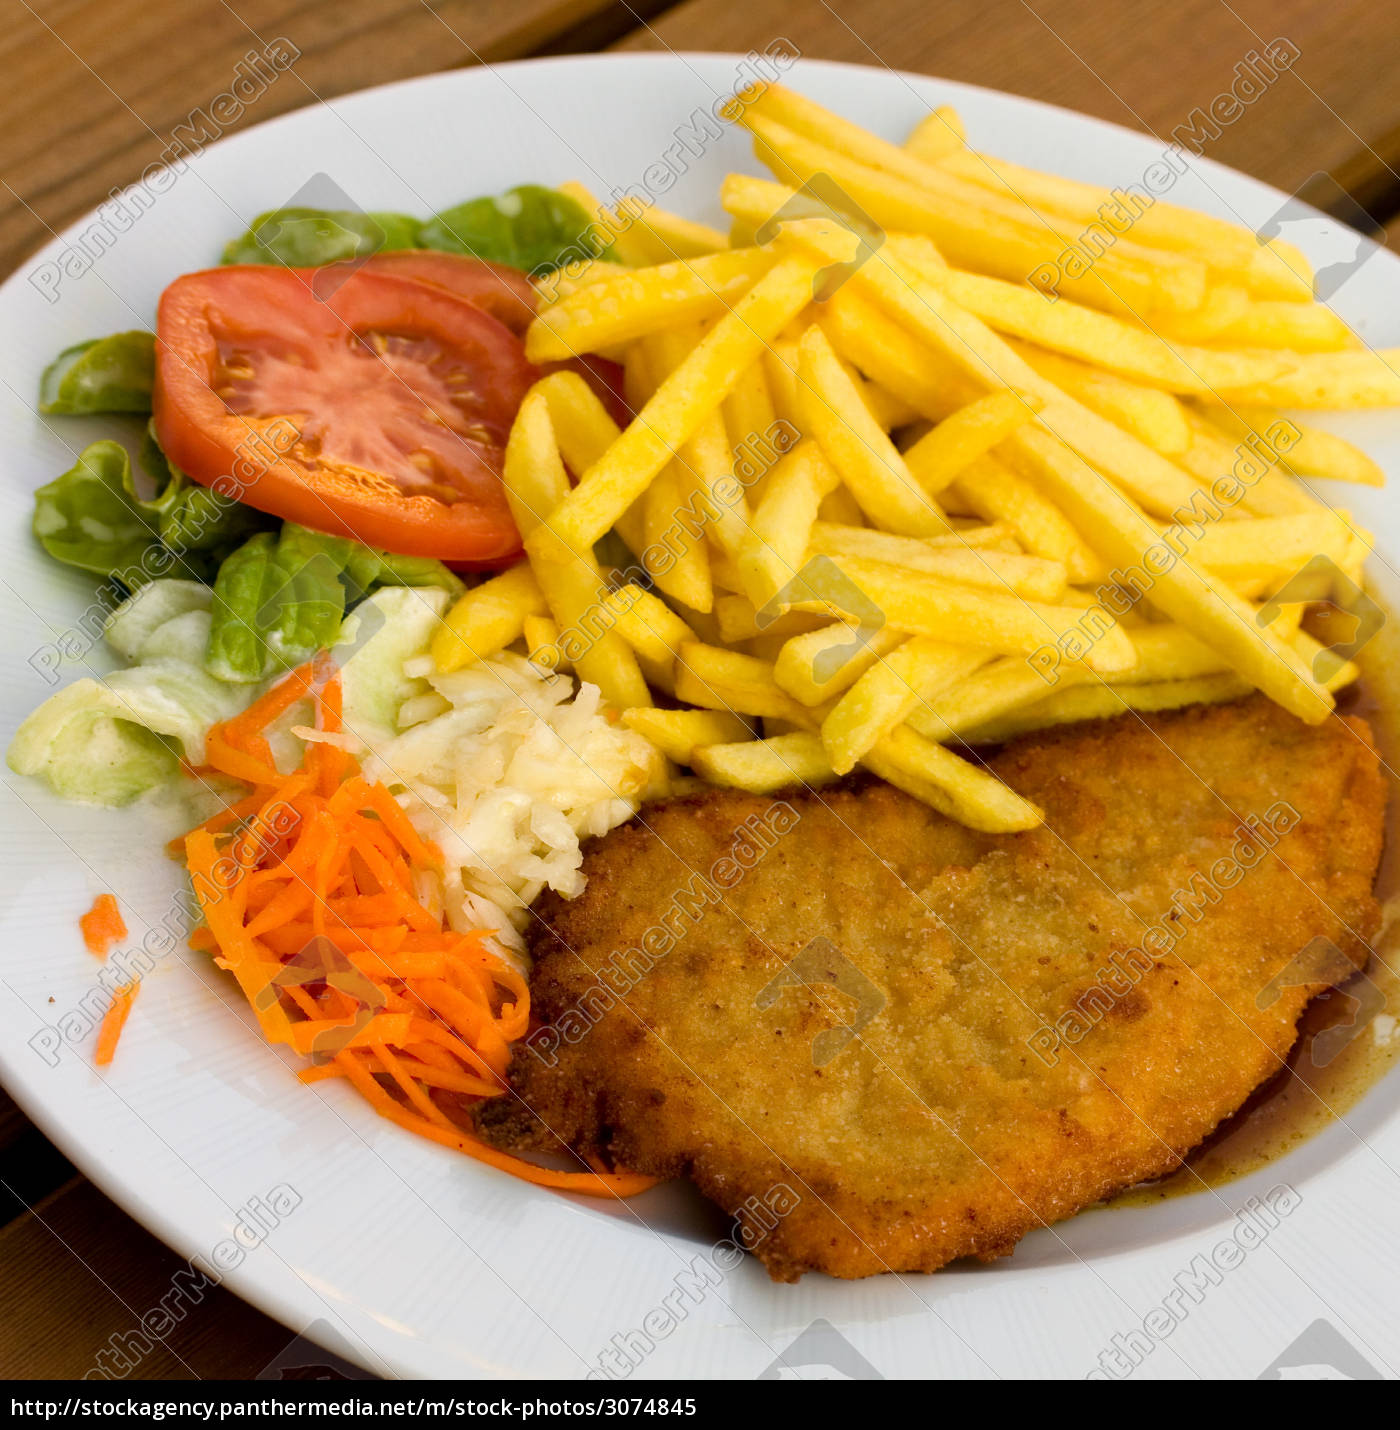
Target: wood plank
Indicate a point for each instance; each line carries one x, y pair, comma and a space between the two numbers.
1139, 63
79, 1275
95, 88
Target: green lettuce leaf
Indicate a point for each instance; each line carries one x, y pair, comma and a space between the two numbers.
531, 228
307, 238
107, 741
112, 374
136, 629
278, 600
92, 517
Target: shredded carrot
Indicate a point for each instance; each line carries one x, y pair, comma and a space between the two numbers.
307, 886
102, 925
113, 1021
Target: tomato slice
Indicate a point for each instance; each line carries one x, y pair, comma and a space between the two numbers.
505, 293
376, 407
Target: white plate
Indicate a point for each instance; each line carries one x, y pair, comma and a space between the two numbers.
420, 1262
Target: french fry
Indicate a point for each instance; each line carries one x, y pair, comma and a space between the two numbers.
1151, 416
1229, 250
908, 677
768, 646
780, 369
677, 559
948, 448
1103, 702
812, 121
705, 461
708, 459
965, 615
647, 623
1279, 270
1223, 305
551, 287
999, 692
679, 733
1184, 591
765, 766
641, 301
487, 619
889, 411
663, 236
988, 359
725, 572
840, 506
1276, 545
1158, 225
1309, 648
997, 494
678, 508
886, 410
1354, 567
535, 484
1312, 453
936, 135
632, 252
542, 643
820, 664
869, 464
584, 431
1030, 576
719, 679
919, 374
776, 543
1131, 611
1103, 339
1167, 652
739, 619
993, 692
677, 408
977, 230
955, 786
1339, 381
639, 381
582, 427
1299, 327
751, 420
1269, 492
980, 535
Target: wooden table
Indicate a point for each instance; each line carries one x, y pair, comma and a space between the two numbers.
95, 88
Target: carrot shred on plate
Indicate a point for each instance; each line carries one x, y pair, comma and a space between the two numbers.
102, 925
307, 890
113, 1021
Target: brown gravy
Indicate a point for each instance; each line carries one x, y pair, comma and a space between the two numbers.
1327, 1074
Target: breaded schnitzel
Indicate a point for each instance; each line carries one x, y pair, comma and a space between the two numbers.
937, 1040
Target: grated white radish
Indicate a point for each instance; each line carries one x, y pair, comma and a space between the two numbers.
508, 769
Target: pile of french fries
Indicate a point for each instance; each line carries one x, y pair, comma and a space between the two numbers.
958, 468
